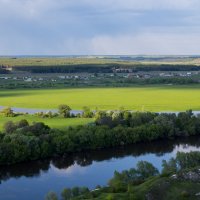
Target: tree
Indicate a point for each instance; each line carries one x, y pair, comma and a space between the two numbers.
66, 194
8, 112
169, 167
64, 111
109, 197
39, 128
87, 113
84, 190
22, 123
75, 191
51, 196
9, 127
146, 169
99, 115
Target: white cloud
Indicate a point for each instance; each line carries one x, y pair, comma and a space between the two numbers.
147, 43
35, 7
151, 43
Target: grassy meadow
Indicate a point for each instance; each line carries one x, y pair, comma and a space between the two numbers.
141, 98
60, 123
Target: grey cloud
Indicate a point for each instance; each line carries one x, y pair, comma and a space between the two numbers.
99, 27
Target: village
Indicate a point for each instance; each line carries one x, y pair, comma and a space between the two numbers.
118, 73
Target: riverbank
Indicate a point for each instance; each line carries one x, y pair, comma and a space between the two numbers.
56, 122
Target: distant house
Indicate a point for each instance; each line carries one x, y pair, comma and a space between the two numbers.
28, 80
61, 77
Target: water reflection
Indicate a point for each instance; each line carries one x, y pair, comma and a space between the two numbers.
159, 148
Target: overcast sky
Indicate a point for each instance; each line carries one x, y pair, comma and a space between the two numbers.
68, 27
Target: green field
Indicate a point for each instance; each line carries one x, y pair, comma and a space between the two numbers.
59, 123
149, 98
63, 61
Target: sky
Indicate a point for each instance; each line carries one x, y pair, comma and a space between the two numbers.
98, 27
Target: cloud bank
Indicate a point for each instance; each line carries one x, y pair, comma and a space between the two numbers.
50, 27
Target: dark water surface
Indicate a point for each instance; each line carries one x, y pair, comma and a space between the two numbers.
31, 181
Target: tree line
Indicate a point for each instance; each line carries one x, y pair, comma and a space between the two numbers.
104, 68
64, 111
22, 141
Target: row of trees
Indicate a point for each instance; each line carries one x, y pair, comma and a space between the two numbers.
64, 111
68, 193
74, 68
104, 68
23, 141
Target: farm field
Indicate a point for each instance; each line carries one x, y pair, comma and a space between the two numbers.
60, 123
141, 98
102, 60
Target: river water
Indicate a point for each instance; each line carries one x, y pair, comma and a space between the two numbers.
33, 111
31, 181
75, 112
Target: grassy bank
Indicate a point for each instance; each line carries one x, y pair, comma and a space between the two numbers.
59, 123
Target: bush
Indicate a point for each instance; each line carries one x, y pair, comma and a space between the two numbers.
9, 127
64, 111
51, 196
8, 112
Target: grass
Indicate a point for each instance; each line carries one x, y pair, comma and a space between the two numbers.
156, 188
53, 61
60, 123
150, 98
167, 189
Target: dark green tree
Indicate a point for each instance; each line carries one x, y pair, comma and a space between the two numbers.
9, 127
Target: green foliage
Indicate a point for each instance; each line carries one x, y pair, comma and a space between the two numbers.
181, 162
8, 112
64, 111
187, 160
110, 197
19, 139
9, 127
51, 196
120, 182
66, 194
22, 123
146, 169
169, 167
87, 113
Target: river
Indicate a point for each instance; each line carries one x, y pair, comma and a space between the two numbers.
32, 111
75, 112
33, 180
